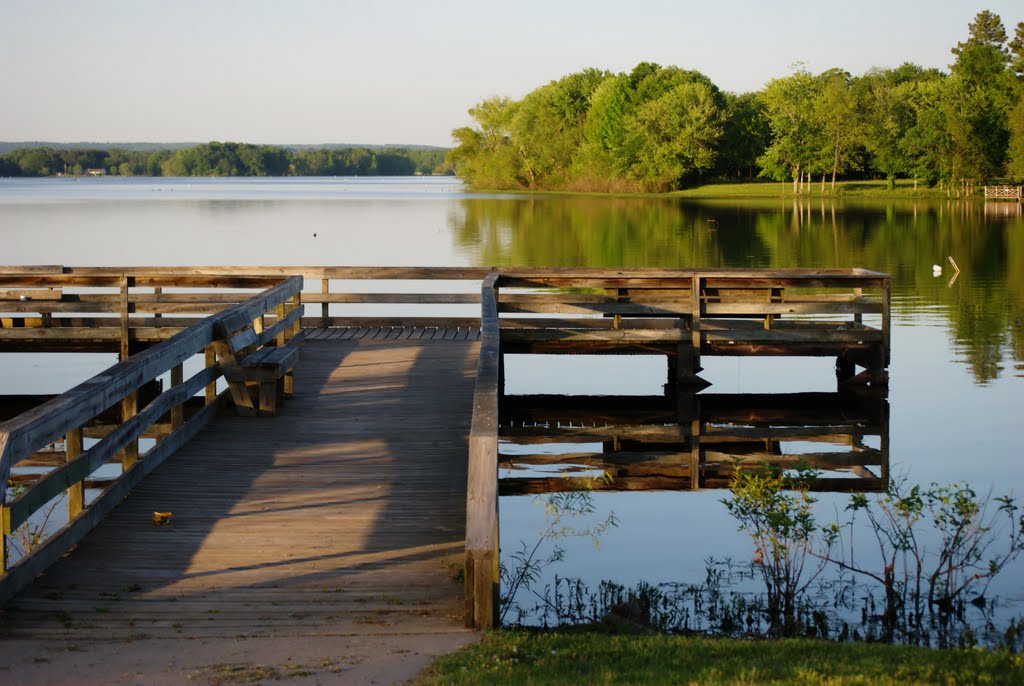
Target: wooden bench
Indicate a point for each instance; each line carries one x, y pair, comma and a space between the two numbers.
258, 366
271, 368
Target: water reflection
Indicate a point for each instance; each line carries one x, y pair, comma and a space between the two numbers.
566, 451
687, 441
983, 309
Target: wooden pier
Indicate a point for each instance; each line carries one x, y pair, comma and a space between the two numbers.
196, 343
1013, 193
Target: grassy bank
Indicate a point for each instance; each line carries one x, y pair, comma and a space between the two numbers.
518, 657
860, 189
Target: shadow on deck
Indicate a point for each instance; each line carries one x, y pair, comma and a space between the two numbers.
343, 515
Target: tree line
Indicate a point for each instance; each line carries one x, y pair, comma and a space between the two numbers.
662, 128
226, 159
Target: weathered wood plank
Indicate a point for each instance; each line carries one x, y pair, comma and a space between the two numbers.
88, 461
22, 573
257, 548
482, 559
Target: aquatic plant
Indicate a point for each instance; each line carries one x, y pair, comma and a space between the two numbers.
562, 511
777, 512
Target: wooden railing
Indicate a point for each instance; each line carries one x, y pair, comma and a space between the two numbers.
680, 313
1003, 193
482, 561
275, 312
685, 314
723, 312
111, 309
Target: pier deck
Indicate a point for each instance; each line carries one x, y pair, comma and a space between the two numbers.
197, 343
326, 537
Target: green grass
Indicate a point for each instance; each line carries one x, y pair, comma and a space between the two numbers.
866, 189
520, 657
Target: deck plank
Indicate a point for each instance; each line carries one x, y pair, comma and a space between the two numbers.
343, 514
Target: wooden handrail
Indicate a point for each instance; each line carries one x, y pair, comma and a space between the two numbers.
482, 580
64, 415
681, 311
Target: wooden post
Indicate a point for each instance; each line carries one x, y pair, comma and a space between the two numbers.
775, 296
4, 474
884, 445
695, 431
886, 318
695, 303
282, 337
325, 289
297, 326
211, 388
178, 411
157, 291
129, 408
845, 369
126, 308
688, 410
482, 575
76, 492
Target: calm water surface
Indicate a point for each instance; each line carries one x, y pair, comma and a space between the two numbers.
957, 374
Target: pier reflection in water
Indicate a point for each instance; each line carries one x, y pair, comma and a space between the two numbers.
687, 441
571, 453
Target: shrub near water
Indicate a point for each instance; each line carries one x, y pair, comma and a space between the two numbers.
926, 590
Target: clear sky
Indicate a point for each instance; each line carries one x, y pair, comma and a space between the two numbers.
395, 71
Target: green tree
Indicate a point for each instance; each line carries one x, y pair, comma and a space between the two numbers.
838, 121
1016, 47
927, 144
394, 163
484, 156
154, 164
37, 161
885, 103
601, 155
675, 135
979, 95
1015, 163
548, 127
789, 104
745, 136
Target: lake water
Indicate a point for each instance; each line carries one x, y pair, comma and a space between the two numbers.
956, 393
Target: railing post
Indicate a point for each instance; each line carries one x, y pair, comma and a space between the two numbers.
886, 319
282, 337
296, 303
482, 574
126, 308
695, 302
288, 382
157, 290
325, 289
5, 472
211, 388
129, 408
76, 492
178, 411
